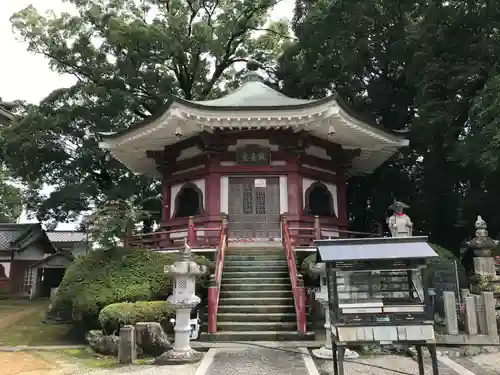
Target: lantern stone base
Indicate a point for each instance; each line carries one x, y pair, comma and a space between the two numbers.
173, 357
325, 353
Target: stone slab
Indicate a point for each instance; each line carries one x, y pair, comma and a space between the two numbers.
256, 360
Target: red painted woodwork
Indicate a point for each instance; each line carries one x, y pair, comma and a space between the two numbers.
165, 209
214, 289
298, 291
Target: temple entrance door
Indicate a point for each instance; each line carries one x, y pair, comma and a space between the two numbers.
254, 208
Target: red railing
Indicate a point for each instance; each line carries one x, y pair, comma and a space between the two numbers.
306, 235
298, 291
194, 229
216, 279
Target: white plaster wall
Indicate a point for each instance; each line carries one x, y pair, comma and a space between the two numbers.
283, 194
189, 153
224, 194
174, 189
332, 188
260, 142
6, 267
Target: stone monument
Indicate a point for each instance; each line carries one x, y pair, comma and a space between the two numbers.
184, 273
484, 263
325, 352
399, 223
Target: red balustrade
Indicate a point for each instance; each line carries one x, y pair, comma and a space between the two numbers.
298, 291
216, 279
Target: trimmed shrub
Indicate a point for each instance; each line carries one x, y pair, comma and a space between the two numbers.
107, 276
116, 315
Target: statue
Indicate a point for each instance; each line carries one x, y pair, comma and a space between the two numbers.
399, 223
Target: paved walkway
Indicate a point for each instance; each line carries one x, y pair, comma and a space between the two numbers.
256, 361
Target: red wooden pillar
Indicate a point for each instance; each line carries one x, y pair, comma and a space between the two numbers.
165, 210
295, 201
212, 197
342, 202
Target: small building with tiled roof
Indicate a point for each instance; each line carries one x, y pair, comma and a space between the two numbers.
21, 246
33, 260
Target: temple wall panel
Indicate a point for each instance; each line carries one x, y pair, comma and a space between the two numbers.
190, 152
319, 152
332, 188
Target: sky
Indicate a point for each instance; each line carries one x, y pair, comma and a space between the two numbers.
27, 76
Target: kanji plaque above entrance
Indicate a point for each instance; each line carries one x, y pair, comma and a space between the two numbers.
253, 156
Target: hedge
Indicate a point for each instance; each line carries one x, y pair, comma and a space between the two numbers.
107, 276
116, 315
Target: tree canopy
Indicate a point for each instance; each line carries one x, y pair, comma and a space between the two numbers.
426, 66
128, 57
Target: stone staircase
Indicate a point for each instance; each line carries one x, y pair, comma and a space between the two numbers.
256, 302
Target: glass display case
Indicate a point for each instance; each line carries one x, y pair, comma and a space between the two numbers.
376, 292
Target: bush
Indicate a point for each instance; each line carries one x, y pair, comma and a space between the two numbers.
116, 315
106, 276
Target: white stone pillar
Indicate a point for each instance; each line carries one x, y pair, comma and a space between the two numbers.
184, 273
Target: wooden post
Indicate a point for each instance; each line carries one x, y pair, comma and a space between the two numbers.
301, 303
191, 235
283, 227
212, 300
317, 228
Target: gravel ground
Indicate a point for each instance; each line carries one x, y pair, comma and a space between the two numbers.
140, 370
380, 365
489, 361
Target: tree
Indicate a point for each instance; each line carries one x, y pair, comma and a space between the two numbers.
11, 199
128, 58
411, 64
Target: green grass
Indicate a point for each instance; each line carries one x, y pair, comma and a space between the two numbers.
89, 358
29, 329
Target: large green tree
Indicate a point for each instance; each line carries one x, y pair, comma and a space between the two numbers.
128, 57
410, 64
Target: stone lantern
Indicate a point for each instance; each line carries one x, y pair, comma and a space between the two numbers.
184, 273
325, 352
484, 263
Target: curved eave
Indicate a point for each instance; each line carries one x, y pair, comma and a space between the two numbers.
315, 117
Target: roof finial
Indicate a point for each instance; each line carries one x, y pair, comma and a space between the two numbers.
252, 74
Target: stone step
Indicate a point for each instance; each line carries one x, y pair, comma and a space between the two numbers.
255, 257
256, 336
255, 263
255, 268
226, 280
249, 287
250, 250
256, 317
255, 301
254, 274
255, 293
257, 326
257, 309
